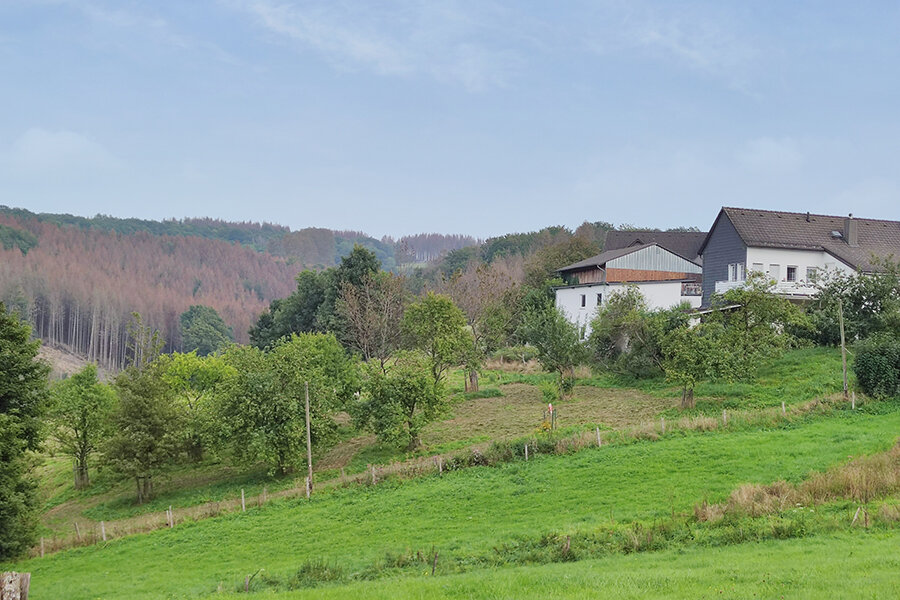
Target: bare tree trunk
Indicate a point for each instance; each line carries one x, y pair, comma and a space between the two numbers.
473, 380
687, 398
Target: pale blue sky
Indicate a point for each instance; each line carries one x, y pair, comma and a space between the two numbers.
477, 117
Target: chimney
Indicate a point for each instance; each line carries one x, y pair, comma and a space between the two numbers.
851, 231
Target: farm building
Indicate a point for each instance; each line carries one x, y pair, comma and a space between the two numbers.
664, 277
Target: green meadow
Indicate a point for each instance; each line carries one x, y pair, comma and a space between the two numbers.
374, 532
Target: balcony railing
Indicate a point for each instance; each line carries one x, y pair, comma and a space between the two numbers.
787, 288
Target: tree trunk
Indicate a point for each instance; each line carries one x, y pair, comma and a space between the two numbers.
82, 479
473, 380
14, 586
140, 490
687, 398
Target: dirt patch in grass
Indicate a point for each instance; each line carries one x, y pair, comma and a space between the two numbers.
341, 455
520, 411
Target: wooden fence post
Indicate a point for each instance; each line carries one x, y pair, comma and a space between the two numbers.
373, 474
102, 531
42, 547
663, 423
724, 418
77, 531
243, 504
309, 464
783, 408
599, 443
526, 452
14, 586
853, 400
171, 517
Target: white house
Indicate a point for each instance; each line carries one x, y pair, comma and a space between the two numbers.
665, 279
793, 249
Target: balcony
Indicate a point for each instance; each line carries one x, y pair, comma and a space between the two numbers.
784, 288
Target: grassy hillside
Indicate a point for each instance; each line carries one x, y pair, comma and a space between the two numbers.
510, 406
832, 566
465, 515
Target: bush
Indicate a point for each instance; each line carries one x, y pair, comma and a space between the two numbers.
877, 366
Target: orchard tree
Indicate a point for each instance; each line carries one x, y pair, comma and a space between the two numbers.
80, 415
400, 400
699, 353
756, 321
870, 302
203, 330
23, 395
557, 341
372, 313
484, 293
437, 327
262, 402
147, 432
193, 380
626, 336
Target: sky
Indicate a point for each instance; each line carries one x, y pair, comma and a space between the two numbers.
480, 117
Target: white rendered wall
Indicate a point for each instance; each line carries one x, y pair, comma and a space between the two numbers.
569, 301
665, 294
798, 258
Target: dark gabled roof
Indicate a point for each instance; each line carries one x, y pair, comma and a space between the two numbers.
805, 231
683, 243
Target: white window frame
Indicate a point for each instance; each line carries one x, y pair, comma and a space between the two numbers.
787, 273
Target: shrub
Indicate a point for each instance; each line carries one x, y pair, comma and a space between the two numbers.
877, 366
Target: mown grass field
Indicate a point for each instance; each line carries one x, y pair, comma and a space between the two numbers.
833, 566
469, 512
510, 406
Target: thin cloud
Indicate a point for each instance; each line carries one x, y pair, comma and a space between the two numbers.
704, 39
443, 42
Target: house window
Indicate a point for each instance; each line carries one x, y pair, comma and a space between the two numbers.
599, 299
732, 272
812, 274
792, 273
583, 301
741, 272
759, 267
775, 272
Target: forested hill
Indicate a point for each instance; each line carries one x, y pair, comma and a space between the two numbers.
80, 286
78, 280
312, 247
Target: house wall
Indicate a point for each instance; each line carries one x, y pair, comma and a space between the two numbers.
797, 258
723, 248
568, 300
663, 294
